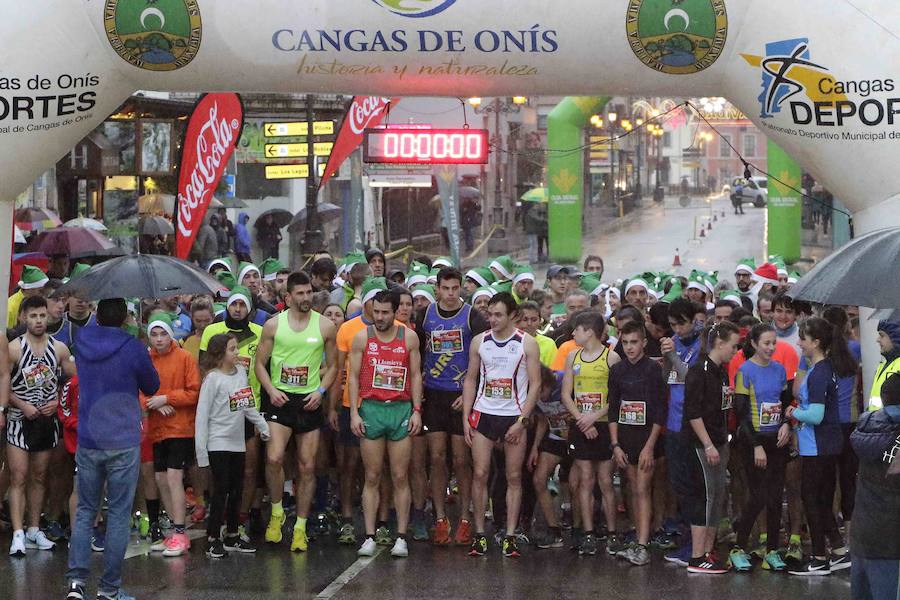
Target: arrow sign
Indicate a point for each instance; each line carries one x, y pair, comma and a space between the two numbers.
293, 128
297, 150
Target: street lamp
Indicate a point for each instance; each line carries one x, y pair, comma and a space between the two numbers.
612, 117
499, 216
639, 122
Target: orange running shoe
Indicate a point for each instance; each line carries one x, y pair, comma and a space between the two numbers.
463, 533
441, 533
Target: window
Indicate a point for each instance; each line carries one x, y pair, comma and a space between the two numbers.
724, 148
749, 145
667, 139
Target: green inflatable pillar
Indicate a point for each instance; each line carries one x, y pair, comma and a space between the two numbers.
565, 174
785, 205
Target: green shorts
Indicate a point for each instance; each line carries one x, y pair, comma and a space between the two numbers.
389, 420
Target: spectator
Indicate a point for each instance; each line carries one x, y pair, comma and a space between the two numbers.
268, 236
242, 239
227, 225
205, 248
536, 225
470, 218
224, 248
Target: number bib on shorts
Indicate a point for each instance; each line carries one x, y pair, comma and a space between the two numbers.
294, 376
241, 399
633, 412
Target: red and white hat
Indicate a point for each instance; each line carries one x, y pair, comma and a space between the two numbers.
766, 273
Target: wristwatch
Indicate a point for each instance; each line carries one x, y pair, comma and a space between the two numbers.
526, 421
614, 446
322, 390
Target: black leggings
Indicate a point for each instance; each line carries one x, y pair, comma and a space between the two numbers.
766, 491
228, 483
848, 466
817, 491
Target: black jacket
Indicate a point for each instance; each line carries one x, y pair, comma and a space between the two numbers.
876, 517
706, 396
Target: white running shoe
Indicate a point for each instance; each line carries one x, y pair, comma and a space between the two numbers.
368, 548
17, 547
37, 539
400, 549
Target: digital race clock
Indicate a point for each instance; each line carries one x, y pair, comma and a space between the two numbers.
396, 145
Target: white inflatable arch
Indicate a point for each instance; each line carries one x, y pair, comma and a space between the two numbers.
820, 79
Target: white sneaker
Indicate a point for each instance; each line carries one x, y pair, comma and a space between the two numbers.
37, 539
400, 549
368, 548
17, 547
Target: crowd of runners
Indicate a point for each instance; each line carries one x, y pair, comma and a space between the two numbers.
660, 416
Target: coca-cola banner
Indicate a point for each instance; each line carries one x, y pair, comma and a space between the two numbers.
212, 133
364, 112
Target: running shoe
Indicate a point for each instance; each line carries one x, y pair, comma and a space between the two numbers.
98, 539
55, 532
37, 539
588, 545
120, 595
299, 541
400, 549
238, 545
198, 515
479, 546
76, 591
441, 536
708, 564
623, 553
680, 556
577, 538
794, 553
176, 545
662, 540
368, 548
773, 562
383, 536
638, 555
216, 549
511, 547
320, 525
242, 533
463, 535
565, 520
760, 551
273, 531
419, 530
17, 546
614, 545
157, 540
812, 567
839, 562
670, 526
739, 561
549, 540
347, 535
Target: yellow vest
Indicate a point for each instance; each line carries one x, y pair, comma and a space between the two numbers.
884, 371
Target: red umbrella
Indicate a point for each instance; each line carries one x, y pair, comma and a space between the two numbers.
76, 242
37, 219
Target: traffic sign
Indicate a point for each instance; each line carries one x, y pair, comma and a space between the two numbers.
300, 171
291, 128
298, 150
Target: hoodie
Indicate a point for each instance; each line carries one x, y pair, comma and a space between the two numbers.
179, 382
113, 369
889, 366
242, 235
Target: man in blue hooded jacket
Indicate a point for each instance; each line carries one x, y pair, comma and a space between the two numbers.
875, 535
242, 238
113, 367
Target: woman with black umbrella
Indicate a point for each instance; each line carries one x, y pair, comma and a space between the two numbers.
268, 236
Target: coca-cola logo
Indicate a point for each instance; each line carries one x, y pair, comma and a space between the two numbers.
363, 112
214, 142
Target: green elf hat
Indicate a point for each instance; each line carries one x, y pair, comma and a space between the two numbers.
222, 262
371, 286
424, 291
432, 275
79, 269
270, 268
417, 274
354, 258
781, 268
163, 321
441, 261
32, 278
591, 284
635, 282
523, 273
226, 278
483, 291
696, 281
747, 265
219, 308
794, 277
504, 265
244, 268
502, 286
733, 296
483, 276
674, 292
239, 292
711, 280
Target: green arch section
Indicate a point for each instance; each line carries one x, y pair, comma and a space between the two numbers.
565, 173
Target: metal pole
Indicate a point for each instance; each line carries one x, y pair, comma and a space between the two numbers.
312, 237
637, 177
612, 163
499, 217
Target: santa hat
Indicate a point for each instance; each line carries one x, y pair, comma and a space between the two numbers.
246, 268
696, 281
32, 278
223, 262
636, 282
733, 296
441, 261
483, 276
425, 291
523, 274
747, 265
163, 321
504, 265
239, 292
766, 273
270, 268
483, 291
417, 274
371, 286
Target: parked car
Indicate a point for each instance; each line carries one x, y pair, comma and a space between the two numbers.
753, 191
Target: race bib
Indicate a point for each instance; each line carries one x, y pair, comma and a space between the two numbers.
673, 378
241, 399
294, 376
769, 413
727, 397
498, 388
589, 401
389, 377
37, 375
244, 361
633, 413
447, 341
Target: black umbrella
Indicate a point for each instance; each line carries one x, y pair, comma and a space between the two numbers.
234, 203
327, 212
280, 216
859, 274
155, 226
140, 276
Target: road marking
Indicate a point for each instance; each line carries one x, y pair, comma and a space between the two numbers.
347, 576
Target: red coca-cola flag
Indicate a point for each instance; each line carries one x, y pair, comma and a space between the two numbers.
364, 112
212, 134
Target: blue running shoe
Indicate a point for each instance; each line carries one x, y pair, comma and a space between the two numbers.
680, 556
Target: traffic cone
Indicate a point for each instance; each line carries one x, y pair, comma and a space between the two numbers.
709, 225
677, 261
702, 231
715, 217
